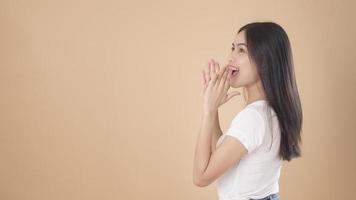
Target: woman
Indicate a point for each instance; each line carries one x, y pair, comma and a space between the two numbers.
247, 159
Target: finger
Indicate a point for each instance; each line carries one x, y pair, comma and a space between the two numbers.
205, 80
222, 75
216, 67
203, 77
227, 72
208, 71
213, 75
214, 79
211, 68
228, 77
216, 70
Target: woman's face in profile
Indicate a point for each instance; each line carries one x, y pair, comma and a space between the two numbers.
247, 72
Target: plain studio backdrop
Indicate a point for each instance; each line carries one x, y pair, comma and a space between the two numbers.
102, 100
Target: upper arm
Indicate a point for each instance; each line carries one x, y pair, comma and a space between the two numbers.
228, 153
245, 134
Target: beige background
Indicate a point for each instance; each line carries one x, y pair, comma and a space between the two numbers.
101, 99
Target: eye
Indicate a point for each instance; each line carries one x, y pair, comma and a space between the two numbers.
241, 50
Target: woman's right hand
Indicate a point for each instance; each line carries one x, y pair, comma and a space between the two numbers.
206, 74
212, 68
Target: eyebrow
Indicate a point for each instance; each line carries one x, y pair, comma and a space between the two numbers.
239, 44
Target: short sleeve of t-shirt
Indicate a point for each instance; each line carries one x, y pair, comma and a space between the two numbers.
248, 128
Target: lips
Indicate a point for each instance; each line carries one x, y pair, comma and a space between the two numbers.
234, 70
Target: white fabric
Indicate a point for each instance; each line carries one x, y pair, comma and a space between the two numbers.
256, 175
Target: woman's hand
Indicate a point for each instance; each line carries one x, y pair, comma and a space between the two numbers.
215, 83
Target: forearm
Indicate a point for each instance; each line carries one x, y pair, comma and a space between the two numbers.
203, 150
216, 133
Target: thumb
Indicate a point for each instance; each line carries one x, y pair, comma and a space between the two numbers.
232, 94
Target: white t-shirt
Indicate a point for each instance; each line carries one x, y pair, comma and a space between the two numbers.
256, 175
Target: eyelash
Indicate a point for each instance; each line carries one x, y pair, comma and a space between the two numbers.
233, 48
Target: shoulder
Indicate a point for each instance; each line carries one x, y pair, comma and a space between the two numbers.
249, 121
248, 127
249, 113
260, 110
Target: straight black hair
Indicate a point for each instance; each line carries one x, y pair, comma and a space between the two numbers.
269, 48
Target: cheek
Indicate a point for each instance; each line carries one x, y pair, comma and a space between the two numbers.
246, 69
251, 75
247, 75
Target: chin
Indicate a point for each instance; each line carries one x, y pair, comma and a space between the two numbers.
234, 85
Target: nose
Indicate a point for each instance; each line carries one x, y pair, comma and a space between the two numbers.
230, 58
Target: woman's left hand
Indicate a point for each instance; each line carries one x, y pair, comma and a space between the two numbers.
215, 87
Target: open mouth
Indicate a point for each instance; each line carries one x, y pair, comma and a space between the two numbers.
234, 70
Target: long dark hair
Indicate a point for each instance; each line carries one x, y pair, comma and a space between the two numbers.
269, 48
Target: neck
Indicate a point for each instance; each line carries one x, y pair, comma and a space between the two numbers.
255, 92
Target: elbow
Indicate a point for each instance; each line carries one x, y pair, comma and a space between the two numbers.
199, 182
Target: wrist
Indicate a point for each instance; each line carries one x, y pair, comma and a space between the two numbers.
210, 112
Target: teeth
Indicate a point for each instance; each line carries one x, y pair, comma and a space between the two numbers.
233, 68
